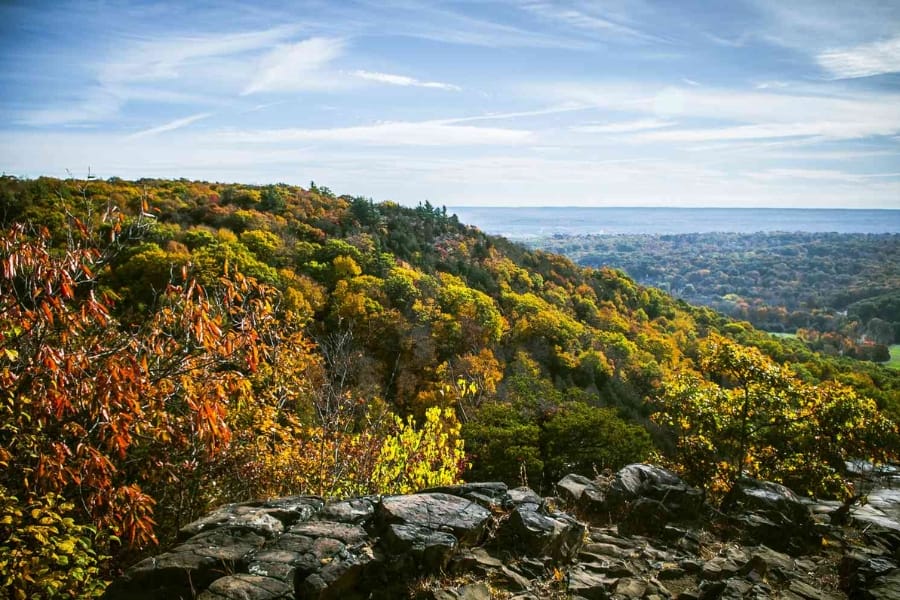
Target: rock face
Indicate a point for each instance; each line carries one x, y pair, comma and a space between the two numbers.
648, 535
772, 514
301, 547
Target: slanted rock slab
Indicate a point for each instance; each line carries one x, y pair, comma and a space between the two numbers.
247, 587
463, 518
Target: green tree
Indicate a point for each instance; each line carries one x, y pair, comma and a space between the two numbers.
504, 445
580, 438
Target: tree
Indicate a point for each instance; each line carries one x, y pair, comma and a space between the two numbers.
580, 438
749, 416
504, 445
104, 415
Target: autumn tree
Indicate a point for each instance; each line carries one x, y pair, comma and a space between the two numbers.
750, 416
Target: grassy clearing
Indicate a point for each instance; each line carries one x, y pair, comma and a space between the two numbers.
783, 335
894, 363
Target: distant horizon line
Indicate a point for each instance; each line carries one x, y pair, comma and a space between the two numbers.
781, 208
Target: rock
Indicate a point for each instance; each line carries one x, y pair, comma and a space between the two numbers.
511, 580
628, 587
735, 589
591, 506
681, 501
719, 568
570, 488
277, 564
474, 591
523, 495
886, 587
336, 578
343, 532
357, 510
489, 494
465, 519
267, 519
773, 515
863, 576
532, 531
586, 584
423, 549
645, 516
766, 562
247, 587
808, 592
237, 518
384, 548
599, 548
476, 561
190, 566
329, 559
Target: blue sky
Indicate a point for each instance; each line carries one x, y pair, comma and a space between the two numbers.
506, 103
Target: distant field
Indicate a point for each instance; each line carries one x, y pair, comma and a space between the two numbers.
894, 363
783, 335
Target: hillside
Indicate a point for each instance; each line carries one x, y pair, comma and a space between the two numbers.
171, 345
841, 290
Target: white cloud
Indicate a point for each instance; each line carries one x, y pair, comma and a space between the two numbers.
405, 81
298, 66
171, 125
166, 58
422, 133
866, 60
624, 126
742, 115
769, 131
550, 110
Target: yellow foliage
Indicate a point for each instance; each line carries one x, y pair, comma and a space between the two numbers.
414, 459
44, 553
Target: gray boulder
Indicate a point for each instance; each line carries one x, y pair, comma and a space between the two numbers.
192, 565
463, 518
681, 501
487, 494
770, 514
533, 531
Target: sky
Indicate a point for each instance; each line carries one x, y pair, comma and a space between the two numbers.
470, 103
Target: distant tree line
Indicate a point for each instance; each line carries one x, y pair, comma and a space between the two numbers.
839, 292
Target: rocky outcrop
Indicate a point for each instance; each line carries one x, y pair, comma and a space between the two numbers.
643, 533
301, 547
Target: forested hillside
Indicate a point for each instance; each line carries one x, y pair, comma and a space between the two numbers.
839, 292
166, 346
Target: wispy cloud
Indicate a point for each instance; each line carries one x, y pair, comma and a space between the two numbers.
866, 60
297, 66
623, 127
426, 21
404, 81
167, 57
580, 19
769, 131
398, 134
827, 175
171, 125
743, 114
404, 133
566, 107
